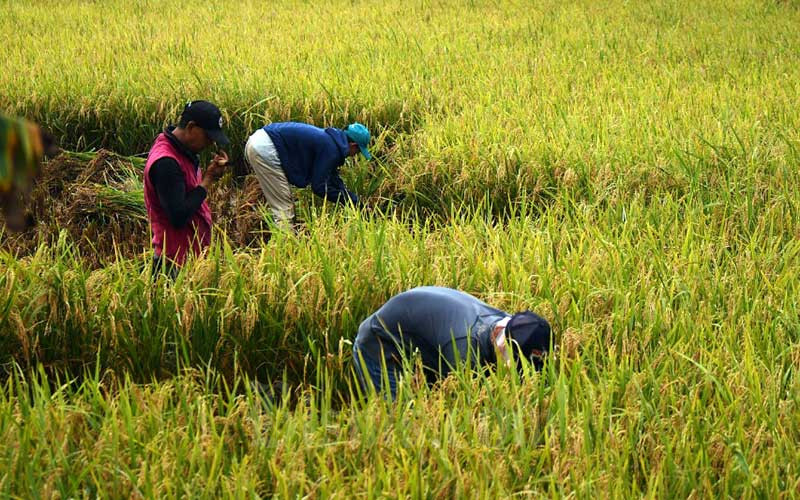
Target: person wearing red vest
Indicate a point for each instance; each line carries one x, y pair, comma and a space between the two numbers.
175, 188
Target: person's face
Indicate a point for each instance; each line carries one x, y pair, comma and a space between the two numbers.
196, 138
354, 149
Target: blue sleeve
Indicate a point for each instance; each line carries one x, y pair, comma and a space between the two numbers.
325, 180
336, 191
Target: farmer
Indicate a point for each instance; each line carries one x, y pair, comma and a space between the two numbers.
22, 146
175, 189
446, 327
298, 154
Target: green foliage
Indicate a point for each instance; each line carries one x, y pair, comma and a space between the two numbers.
505, 99
626, 169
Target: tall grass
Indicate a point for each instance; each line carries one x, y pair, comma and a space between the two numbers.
627, 170
675, 427
633, 276
466, 100
676, 375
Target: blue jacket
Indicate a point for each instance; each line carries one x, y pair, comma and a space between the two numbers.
445, 325
311, 155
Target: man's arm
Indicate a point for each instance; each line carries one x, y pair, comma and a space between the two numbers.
325, 180
170, 186
336, 191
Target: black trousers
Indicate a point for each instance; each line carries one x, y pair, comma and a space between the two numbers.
165, 267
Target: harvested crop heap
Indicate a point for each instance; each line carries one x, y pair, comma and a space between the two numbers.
97, 200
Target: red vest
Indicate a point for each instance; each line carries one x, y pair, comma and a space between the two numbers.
168, 240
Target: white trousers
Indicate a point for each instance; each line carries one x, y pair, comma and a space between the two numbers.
262, 157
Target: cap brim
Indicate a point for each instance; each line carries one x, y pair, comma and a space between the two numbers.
365, 152
219, 137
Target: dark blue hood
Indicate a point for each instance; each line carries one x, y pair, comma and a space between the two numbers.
338, 136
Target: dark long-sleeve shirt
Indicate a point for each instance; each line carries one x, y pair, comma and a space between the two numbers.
443, 324
170, 186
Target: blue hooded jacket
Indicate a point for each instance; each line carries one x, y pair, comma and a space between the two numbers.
311, 155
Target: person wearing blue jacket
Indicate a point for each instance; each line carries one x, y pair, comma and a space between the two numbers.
446, 327
297, 154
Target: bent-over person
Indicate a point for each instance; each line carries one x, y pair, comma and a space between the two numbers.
446, 327
297, 154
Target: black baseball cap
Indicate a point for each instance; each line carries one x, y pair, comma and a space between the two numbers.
532, 334
208, 117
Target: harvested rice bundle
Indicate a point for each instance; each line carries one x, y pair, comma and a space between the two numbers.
107, 203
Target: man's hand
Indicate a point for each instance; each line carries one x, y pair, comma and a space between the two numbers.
221, 158
215, 169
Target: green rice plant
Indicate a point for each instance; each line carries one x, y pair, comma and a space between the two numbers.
627, 170
503, 99
542, 434
97, 200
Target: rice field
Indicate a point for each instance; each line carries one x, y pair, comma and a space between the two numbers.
628, 170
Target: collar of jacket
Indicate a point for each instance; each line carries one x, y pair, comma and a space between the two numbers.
181, 146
